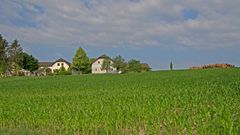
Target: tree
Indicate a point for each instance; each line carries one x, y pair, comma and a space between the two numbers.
119, 63
92, 60
145, 67
29, 62
171, 65
134, 66
15, 57
106, 65
81, 62
3, 54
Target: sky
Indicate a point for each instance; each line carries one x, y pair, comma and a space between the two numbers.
186, 32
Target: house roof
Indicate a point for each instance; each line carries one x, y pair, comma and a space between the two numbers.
62, 60
48, 64
104, 56
45, 64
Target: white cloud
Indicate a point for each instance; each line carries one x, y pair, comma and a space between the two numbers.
112, 23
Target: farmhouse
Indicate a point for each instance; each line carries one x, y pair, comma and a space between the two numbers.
97, 65
52, 66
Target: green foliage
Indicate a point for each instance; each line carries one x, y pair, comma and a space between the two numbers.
106, 65
177, 102
2, 70
48, 71
29, 62
15, 59
3, 54
81, 62
63, 71
119, 63
145, 67
92, 60
134, 66
131, 66
171, 65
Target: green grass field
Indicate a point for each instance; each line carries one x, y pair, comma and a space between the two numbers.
165, 102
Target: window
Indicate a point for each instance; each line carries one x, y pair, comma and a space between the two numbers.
62, 64
95, 69
58, 64
98, 62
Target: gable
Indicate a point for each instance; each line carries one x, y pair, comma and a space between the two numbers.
62, 61
51, 64
104, 56
98, 61
60, 64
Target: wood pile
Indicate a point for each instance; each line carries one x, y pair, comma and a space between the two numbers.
213, 66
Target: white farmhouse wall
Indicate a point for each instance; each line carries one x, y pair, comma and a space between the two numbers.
58, 65
97, 67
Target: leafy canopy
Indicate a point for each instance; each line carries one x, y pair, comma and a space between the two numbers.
29, 62
81, 61
3, 54
134, 66
119, 63
15, 60
106, 65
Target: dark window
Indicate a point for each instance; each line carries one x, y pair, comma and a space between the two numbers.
62, 64
58, 64
95, 69
98, 62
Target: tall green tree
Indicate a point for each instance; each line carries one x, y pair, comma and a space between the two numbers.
171, 65
15, 60
119, 63
92, 60
81, 62
3, 54
29, 62
106, 65
134, 66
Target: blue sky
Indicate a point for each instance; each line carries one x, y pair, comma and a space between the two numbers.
186, 32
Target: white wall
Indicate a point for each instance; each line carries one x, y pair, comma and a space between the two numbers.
97, 65
58, 65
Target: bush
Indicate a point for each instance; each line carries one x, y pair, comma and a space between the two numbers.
62, 71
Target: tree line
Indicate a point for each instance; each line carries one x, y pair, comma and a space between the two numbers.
82, 63
13, 58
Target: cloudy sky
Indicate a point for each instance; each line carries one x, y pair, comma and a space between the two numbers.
187, 32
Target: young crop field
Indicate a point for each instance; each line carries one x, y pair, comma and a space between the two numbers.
165, 102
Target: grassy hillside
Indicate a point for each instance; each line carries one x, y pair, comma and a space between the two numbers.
166, 102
